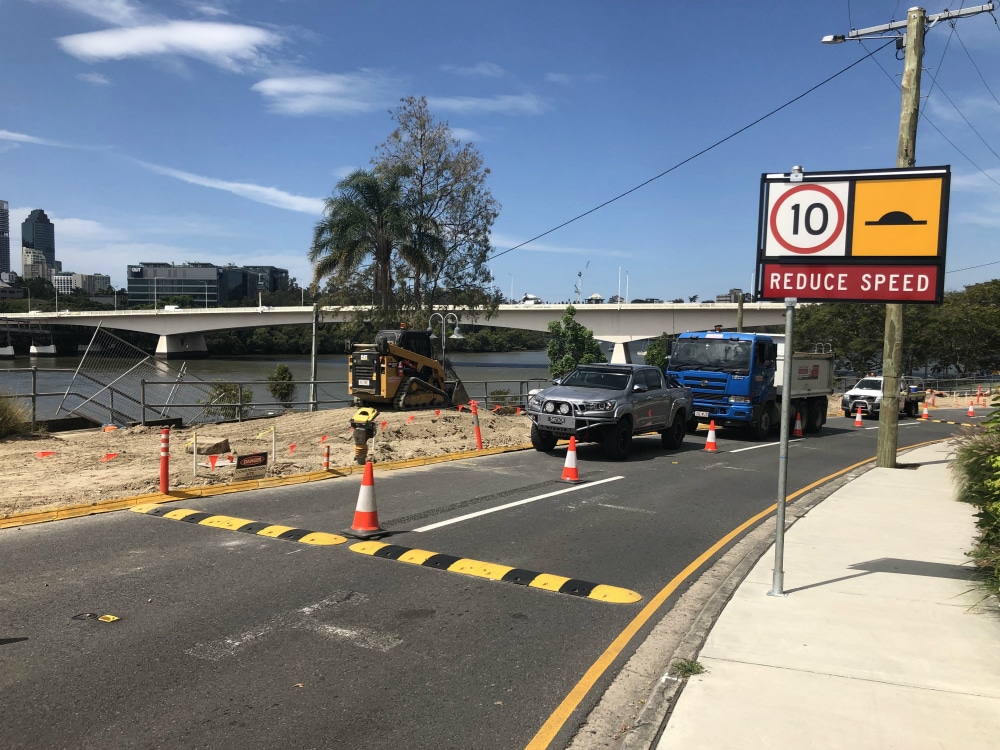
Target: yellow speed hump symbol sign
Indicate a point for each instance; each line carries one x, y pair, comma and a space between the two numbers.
897, 218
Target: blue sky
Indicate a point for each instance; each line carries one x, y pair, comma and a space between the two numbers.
212, 130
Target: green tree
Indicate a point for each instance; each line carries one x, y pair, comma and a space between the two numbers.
658, 350
450, 207
281, 385
855, 330
962, 333
229, 401
366, 222
571, 344
965, 331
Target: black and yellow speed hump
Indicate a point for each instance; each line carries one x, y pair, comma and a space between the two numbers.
494, 572
260, 528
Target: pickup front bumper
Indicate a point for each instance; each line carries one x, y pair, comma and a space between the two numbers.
869, 407
564, 426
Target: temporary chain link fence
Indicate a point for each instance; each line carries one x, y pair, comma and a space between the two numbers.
117, 383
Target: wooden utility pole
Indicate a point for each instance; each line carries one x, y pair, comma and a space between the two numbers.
906, 156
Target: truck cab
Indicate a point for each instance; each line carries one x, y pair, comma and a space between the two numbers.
736, 379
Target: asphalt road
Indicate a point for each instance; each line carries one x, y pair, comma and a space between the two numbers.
234, 640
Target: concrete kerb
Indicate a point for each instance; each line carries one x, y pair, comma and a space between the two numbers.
116, 504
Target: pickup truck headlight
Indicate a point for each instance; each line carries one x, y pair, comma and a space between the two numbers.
556, 407
739, 399
535, 403
597, 406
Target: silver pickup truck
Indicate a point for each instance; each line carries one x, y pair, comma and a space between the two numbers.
609, 404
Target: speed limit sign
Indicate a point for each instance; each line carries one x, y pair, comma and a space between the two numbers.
807, 219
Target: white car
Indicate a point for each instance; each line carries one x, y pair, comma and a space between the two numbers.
867, 396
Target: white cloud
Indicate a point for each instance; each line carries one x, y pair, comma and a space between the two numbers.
502, 242
981, 111
566, 79
118, 12
228, 46
89, 246
483, 69
7, 135
465, 134
975, 182
342, 172
266, 195
81, 230
348, 93
207, 9
95, 78
509, 104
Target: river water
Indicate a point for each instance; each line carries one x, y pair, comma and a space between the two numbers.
516, 372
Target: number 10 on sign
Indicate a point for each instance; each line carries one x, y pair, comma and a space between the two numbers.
807, 219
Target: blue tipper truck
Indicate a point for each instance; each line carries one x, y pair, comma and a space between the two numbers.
736, 380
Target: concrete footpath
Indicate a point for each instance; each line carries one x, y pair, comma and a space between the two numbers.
879, 642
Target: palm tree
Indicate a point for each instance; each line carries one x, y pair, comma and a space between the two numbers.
366, 218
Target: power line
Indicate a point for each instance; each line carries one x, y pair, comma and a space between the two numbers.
981, 265
691, 158
924, 118
981, 77
971, 126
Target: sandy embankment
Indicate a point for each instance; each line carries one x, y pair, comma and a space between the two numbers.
86, 467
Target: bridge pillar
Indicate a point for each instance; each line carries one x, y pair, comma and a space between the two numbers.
182, 346
622, 353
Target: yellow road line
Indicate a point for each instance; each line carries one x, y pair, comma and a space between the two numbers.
565, 709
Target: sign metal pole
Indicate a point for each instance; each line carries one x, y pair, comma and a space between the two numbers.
778, 577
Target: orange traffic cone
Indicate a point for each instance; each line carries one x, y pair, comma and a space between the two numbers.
710, 445
570, 474
926, 414
858, 421
972, 411
797, 432
366, 516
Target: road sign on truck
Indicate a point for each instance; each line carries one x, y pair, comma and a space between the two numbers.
736, 380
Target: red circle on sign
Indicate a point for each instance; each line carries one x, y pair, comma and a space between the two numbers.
772, 220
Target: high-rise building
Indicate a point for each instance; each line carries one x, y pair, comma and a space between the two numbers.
38, 233
265, 279
34, 265
63, 282
4, 237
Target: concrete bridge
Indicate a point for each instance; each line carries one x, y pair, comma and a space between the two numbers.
182, 331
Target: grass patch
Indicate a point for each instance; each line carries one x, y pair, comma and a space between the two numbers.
687, 667
14, 419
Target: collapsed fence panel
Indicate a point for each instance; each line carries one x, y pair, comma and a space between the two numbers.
118, 383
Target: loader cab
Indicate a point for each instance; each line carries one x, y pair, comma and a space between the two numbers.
418, 342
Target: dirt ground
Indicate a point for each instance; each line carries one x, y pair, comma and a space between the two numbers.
85, 467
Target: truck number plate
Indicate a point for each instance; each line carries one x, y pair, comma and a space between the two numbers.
701, 413
364, 381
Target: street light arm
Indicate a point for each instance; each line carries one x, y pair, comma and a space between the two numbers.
931, 20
